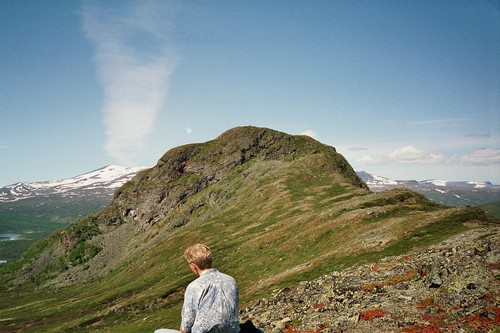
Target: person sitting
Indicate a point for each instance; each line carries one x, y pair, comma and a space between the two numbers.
211, 301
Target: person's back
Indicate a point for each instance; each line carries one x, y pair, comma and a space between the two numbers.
211, 304
211, 301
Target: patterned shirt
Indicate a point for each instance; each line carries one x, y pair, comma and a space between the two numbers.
211, 304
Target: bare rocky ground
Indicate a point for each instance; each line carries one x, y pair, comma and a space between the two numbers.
450, 287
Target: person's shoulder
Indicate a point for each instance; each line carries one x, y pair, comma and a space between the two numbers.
195, 284
226, 277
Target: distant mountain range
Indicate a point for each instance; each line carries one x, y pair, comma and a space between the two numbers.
32, 210
100, 183
457, 193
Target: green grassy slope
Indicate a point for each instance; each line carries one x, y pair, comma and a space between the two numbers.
492, 208
270, 223
35, 218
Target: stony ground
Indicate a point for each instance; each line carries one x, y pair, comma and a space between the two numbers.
451, 287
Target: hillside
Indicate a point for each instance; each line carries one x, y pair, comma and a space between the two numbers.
276, 209
492, 208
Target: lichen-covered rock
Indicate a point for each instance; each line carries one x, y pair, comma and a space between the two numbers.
453, 286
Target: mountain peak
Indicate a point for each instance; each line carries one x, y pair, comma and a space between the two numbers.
208, 163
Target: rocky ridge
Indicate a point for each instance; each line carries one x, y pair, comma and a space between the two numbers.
450, 287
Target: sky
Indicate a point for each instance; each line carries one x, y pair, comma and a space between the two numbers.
402, 89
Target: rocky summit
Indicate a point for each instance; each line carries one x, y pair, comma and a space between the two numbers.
280, 212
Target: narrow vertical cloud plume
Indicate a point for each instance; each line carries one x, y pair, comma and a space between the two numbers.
134, 64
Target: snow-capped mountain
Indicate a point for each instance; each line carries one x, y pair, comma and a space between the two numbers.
470, 184
102, 183
459, 193
377, 181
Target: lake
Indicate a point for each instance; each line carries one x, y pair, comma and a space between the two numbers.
7, 237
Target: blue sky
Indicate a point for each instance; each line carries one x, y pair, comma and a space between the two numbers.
402, 89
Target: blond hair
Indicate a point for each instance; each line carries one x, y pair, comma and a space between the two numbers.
200, 255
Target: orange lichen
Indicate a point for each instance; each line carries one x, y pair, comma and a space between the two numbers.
481, 320
494, 266
318, 305
370, 314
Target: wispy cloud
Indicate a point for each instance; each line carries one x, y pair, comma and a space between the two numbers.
406, 155
134, 64
483, 156
367, 160
479, 134
447, 121
310, 133
410, 154
413, 155
356, 148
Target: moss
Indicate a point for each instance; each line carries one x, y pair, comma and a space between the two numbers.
83, 253
400, 196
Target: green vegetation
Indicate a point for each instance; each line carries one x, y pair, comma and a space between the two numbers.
418, 238
12, 249
400, 197
35, 218
82, 253
492, 208
289, 213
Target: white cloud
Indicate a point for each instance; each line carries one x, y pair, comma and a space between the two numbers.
410, 154
133, 65
367, 160
310, 133
483, 156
